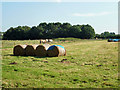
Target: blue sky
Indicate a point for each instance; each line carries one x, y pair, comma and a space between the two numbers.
102, 16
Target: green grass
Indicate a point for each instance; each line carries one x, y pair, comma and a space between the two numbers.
89, 64
68, 39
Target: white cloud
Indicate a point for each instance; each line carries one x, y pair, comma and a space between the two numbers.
91, 14
58, 1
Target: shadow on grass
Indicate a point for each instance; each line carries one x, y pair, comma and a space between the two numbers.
27, 56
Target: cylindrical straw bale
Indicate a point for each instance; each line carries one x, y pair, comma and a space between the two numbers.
19, 50
41, 50
115, 40
30, 50
56, 50
110, 40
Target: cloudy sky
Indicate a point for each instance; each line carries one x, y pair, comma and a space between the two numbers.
102, 16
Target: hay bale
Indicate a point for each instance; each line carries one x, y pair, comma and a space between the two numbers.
113, 40
19, 50
41, 50
56, 50
110, 40
30, 50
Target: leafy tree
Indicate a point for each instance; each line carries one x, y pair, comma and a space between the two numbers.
87, 32
97, 36
7, 35
63, 31
35, 32
18, 33
50, 30
75, 31
105, 34
26, 30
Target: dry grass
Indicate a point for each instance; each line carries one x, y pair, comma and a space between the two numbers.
88, 64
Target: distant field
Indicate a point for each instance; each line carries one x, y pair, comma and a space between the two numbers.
89, 64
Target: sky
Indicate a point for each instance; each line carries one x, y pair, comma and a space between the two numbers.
102, 16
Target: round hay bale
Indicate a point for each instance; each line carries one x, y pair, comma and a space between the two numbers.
56, 50
110, 40
30, 50
115, 40
19, 50
41, 50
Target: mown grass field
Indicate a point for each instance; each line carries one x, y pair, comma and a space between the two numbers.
89, 64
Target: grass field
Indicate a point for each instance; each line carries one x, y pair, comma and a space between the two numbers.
88, 64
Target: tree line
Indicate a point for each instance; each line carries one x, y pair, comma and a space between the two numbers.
107, 35
49, 30
55, 30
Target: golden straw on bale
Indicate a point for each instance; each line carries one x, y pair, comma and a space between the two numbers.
19, 50
56, 51
41, 50
30, 50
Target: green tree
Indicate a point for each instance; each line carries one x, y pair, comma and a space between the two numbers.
18, 33
106, 34
26, 30
35, 32
64, 30
87, 32
75, 31
50, 30
97, 36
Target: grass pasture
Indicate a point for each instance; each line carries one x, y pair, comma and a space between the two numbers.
88, 64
